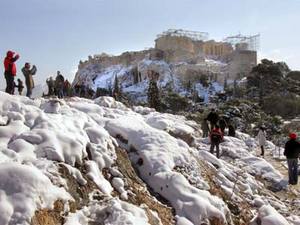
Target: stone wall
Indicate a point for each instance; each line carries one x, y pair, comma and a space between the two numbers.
182, 48
241, 63
126, 58
217, 49
172, 43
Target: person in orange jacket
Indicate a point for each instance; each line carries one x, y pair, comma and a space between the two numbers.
216, 137
10, 71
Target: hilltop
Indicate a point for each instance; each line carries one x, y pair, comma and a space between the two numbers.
186, 62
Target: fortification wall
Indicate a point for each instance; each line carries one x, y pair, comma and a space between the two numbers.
184, 47
125, 58
171, 43
241, 63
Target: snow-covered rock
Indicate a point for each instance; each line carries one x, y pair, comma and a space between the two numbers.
96, 74
40, 137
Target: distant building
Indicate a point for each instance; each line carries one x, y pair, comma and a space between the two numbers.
239, 52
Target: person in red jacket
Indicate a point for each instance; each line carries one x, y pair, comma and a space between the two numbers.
10, 70
216, 137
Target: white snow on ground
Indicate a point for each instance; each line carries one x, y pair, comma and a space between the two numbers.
22, 190
160, 153
37, 136
114, 211
105, 77
269, 216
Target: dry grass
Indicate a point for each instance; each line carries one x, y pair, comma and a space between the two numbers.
141, 194
49, 217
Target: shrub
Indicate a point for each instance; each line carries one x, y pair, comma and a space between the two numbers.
175, 102
285, 106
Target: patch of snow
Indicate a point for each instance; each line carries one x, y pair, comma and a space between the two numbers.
22, 191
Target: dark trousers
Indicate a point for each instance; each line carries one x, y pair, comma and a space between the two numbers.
29, 92
205, 133
262, 150
212, 147
60, 93
293, 170
50, 90
9, 83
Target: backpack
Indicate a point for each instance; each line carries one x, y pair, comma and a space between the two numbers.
215, 136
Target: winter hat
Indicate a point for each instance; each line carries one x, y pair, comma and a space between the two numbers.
10, 54
293, 136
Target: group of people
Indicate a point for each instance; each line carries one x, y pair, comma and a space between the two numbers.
214, 119
59, 86
10, 72
291, 152
62, 88
216, 130
214, 126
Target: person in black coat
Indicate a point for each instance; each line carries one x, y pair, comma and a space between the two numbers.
292, 151
222, 124
20, 86
213, 118
231, 130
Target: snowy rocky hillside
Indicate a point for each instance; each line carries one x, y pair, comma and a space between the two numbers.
134, 77
88, 162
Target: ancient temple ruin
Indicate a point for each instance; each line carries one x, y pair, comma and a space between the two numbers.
238, 52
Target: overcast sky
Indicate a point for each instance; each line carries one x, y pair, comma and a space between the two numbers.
56, 34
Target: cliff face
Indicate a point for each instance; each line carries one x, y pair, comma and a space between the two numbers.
134, 69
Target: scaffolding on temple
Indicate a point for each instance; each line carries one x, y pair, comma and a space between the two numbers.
244, 42
194, 35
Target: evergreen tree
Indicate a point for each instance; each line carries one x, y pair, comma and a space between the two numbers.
261, 91
225, 84
189, 86
116, 91
153, 95
109, 90
235, 88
